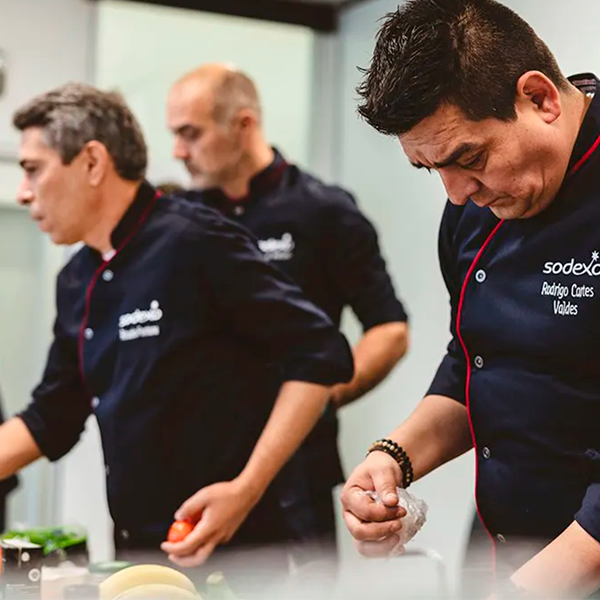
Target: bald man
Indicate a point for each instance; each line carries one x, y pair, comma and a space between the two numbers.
312, 231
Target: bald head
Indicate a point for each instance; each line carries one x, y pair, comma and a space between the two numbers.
223, 89
214, 115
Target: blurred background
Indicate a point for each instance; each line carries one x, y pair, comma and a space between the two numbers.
304, 57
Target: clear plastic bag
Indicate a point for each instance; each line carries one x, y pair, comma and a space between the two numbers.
416, 515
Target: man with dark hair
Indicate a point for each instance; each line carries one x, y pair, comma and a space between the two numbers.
204, 365
473, 94
470, 55
314, 232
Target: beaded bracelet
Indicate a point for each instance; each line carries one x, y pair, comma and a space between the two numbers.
399, 455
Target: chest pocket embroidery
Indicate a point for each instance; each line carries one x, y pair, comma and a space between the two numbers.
278, 248
140, 323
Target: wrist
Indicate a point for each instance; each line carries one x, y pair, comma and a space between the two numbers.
250, 488
399, 455
381, 459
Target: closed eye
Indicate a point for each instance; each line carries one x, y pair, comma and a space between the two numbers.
474, 162
189, 133
420, 166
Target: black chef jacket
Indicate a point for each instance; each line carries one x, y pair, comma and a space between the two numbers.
178, 344
6, 486
317, 235
525, 297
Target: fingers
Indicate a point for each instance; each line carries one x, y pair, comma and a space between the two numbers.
371, 531
194, 549
192, 508
198, 557
384, 480
370, 521
362, 506
386, 475
386, 547
200, 536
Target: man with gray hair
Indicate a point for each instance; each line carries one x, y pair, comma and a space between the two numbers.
203, 364
314, 232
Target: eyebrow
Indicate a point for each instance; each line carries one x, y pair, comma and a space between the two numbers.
26, 161
451, 159
186, 127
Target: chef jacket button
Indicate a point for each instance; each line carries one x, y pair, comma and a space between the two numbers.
125, 534
88, 333
478, 362
95, 402
107, 470
485, 452
238, 211
480, 276
501, 538
107, 275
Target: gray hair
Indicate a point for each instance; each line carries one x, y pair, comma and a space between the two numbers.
235, 92
74, 114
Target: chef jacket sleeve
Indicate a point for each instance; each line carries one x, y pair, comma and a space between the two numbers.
261, 305
356, 267
450, 378
60, 405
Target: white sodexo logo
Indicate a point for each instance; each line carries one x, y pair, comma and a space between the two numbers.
140, 323
574, 268
137, 317
278, 249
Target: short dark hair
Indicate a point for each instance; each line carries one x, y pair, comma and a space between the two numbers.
469, 53
76, 113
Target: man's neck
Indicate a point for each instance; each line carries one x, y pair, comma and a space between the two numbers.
575, 107
256, 161
116, 198
577, 104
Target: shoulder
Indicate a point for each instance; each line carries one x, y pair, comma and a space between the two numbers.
175, 211
451, 217
196, 227
463, 224
320, 195
180, 215
81, 261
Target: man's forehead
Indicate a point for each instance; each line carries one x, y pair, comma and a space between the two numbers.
188, 108
445, 124
438, 136
33, 144
191, 94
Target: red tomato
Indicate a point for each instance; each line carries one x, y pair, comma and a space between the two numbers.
179, 531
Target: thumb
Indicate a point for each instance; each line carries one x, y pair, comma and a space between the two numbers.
192, 508
384, 482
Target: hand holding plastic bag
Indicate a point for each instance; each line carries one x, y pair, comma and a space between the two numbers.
416, 515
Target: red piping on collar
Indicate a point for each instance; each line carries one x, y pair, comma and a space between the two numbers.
94, 280
585, 157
